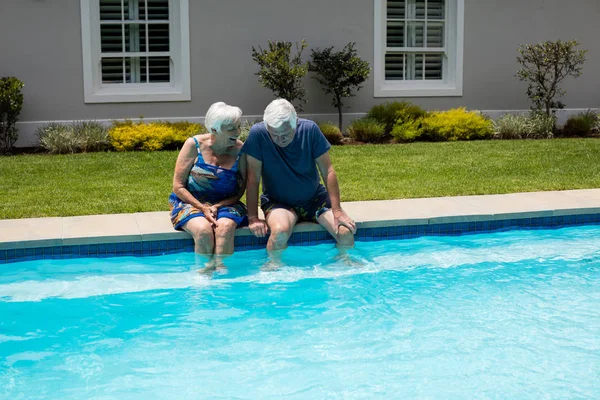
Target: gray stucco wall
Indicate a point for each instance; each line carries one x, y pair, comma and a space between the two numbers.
40, 44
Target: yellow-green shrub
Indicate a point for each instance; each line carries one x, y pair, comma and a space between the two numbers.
332, 132
129, 136
367, 130
408, 131
456, 124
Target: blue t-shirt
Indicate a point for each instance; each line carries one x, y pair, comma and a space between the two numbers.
289, 174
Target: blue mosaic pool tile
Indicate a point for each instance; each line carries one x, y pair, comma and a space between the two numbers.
250, 242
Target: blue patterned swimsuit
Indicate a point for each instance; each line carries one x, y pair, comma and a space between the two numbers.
209, 184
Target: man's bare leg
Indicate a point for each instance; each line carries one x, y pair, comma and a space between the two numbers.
281, 224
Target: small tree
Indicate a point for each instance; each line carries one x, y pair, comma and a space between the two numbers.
11, 102
544, 66
340, 72
281, 72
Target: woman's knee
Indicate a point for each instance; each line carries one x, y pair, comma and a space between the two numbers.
225, 230
202, 233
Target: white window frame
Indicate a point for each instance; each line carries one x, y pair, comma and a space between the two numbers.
452, 82
179, 89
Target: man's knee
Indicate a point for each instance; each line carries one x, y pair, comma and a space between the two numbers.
280, 236
345, 236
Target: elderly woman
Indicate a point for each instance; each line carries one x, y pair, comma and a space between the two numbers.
209, 180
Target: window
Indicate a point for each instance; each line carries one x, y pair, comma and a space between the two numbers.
418, 48
135, 50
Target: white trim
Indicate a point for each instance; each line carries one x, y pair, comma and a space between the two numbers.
453, 68
178, 90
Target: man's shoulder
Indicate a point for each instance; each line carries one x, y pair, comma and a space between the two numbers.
306, 123
258, 128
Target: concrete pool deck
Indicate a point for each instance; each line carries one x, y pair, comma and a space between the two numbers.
155, 226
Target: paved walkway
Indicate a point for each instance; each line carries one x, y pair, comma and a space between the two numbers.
68, 231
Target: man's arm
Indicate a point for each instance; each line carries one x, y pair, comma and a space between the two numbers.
331, 183
256, 225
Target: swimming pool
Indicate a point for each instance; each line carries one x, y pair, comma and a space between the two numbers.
502, 315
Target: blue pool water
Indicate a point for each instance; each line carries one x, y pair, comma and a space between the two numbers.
503, 315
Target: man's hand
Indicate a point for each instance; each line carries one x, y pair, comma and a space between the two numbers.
258, 227
340, 218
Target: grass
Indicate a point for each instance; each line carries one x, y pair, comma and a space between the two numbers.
103, 183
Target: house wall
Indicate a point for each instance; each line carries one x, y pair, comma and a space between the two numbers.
40, 43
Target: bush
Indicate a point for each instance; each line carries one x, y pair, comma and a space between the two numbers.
367, 130
332, 132
533, 126
340, 72
456, 124
581, 124
83, 136
128, 136
408, 131
281, 72
245, 130
544, 66
388, 113
11, 102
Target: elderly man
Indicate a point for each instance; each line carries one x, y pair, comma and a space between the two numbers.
286, 152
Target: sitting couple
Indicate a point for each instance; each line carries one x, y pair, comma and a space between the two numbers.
214, 169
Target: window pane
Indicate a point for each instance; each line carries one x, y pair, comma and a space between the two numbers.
158, 10
415, 62
435, 9
433, 66
111, 38
396, 9
142, 9
110, 10
394, 66
158, 37
395, 34
112, 70
157, 69
129, 10
419, 8
414, 34
435, 34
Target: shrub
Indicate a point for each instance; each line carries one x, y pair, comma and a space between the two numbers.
128, 136
408, 131
367, 130
11, 102
533, 126
456, 124
245, 130
332, 132
581, 124
281, 72
388, 113
544, 66
340, 72
82, 136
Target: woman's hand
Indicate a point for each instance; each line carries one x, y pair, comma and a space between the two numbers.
258, 227
210, 213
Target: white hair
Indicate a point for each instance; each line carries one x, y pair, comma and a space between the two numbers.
278, 112
220, 114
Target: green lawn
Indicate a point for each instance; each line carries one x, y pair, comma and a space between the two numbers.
101, 183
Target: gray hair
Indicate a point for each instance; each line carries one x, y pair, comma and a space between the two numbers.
220, 114
278, 112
